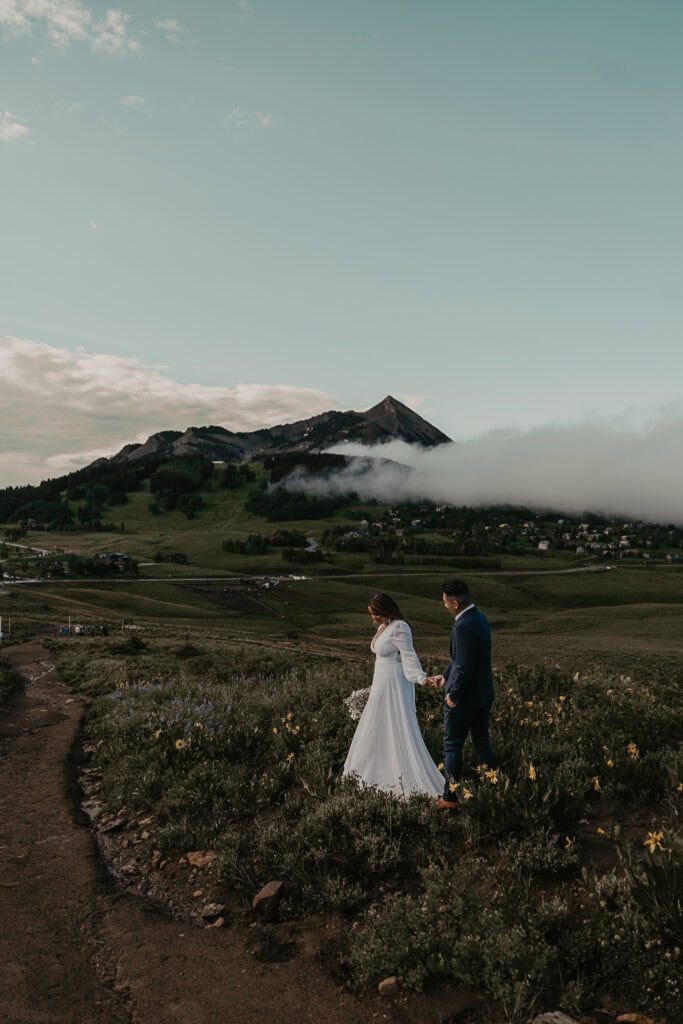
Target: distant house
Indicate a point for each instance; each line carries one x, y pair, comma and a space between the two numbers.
544, 545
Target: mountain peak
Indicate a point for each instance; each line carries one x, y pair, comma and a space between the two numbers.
402, 422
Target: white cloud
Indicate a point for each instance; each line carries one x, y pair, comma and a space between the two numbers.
62, 409
171, 29
246, 9
607, 466
11, 128
68, 21
95, 225
36, 61
243, 118
133, 101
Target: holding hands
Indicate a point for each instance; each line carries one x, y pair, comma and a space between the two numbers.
435, 681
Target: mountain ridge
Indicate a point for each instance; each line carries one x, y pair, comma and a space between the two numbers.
388, 420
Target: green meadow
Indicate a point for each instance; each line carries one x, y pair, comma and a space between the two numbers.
216, 686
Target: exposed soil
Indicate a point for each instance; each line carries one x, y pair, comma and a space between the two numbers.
80, 944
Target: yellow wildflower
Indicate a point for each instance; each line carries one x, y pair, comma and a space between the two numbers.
610, 762
440, 766
453, 787
596, 783
291, 756
492, 776
680, 787
568, 841
467, 793
296, 729
600, 831
290, 716
199, 725
563, 698
633, 751
275, 729
654, 841
158, 733
532, 773
180, 744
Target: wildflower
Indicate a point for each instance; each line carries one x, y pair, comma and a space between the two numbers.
290, 716
633, 751
296, 729
467, 793
453, 787
680, 787
180, 744
481, 768
568, 842
532, 773
440, 766
654, 841
600, 831
199, 725
492, 776
610, 762
158, 733
562, 699
596, 783
291, 756
275, 730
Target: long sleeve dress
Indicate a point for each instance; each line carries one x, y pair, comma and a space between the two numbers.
387, 750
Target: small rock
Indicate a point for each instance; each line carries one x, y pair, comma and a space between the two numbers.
145, 835
634, 1018
212, 910
267, 900
113, 825
197, 893
125, 843
389, 986
218, 923
201, 858
555, 1017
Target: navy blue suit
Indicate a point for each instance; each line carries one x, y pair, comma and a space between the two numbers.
469, 684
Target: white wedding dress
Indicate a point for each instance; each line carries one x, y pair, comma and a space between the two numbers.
388, 750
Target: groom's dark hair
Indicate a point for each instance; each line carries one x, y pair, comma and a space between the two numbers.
457, 589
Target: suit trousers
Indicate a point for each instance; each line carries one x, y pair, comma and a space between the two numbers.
458, 722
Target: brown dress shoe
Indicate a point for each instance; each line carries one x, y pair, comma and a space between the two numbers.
446, 805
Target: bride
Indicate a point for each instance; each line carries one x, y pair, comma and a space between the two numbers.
387, 750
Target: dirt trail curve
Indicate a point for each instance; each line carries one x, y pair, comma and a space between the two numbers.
73, 950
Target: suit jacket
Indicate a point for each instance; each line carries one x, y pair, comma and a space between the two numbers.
469, 676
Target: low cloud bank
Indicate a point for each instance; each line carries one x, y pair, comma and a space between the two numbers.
60, 410
607, 468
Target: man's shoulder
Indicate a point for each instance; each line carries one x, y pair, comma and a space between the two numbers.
472, 616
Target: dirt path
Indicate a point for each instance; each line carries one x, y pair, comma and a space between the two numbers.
73, 950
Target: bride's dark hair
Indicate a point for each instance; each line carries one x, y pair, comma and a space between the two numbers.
383, 604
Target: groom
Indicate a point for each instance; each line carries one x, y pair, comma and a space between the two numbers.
468, 683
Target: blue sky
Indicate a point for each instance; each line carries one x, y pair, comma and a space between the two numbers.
289, 206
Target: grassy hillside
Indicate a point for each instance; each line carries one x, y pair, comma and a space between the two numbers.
538, 607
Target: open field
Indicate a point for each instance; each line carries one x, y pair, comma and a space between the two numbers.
216, 716
618, 617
